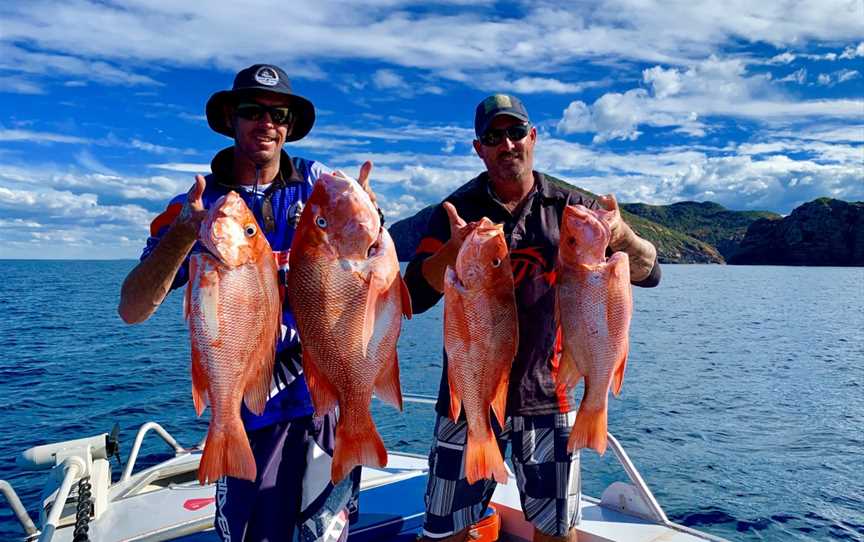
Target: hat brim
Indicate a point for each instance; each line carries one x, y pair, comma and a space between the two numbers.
515, 115
304, 111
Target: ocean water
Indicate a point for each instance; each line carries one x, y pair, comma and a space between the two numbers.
742, 406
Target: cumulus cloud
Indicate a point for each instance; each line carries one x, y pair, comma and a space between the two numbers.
680, 99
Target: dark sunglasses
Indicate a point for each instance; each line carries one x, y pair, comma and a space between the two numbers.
255, 111
493, 137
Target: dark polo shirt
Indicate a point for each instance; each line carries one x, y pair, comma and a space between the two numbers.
532, 235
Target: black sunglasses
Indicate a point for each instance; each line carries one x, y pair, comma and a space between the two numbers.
493, 137
255, 111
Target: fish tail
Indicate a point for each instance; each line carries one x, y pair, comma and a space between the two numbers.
227, 452
357, 443
483, 458
589, 431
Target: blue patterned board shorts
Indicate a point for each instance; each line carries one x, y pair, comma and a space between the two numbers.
293, 491
546, 474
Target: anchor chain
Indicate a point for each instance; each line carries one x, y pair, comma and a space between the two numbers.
85, 510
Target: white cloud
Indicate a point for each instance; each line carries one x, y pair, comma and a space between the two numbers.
114, 44
388, 79
847, 75
158, 149
681, 99
853, 52
798, 76
39, 137
533, 85
183, 167
665, 82
754, 178
782, 58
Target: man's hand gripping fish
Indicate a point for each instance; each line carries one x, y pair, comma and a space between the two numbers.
349, 298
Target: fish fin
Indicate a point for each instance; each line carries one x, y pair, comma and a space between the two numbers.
568, 375
499, 400
257, 385
324, 395
619, 265
357, 443
455, 396
456, 336
387, 386
257, 389
199, 382
369, 316
483, 459
589, 431
407, 310
187, 296
618, 376
227, 453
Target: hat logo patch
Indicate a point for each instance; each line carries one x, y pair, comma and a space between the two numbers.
267, 76
498, 101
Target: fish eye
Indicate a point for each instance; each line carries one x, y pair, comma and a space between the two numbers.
321, 221
250, 230
496, 262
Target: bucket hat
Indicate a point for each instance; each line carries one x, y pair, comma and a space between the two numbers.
253, 80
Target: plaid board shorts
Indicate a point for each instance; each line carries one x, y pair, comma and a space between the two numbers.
546, 474
293, 491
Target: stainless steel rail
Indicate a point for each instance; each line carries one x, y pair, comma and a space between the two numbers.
20, 512
139, 438
73, 466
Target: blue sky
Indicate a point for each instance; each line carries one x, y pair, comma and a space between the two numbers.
754, 105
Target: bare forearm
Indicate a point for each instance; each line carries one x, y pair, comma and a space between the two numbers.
641, 253
435, 265
149, 282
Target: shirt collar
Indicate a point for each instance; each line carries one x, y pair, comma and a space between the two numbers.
222, 167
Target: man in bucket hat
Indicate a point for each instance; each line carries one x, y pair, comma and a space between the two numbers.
261, 113
529, 205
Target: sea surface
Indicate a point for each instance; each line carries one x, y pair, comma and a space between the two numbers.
742, 406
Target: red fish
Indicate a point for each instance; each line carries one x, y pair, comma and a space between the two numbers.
594, 304
234, 313
480, 337
348, 298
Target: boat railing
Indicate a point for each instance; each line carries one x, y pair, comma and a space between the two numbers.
18, 508
139, 438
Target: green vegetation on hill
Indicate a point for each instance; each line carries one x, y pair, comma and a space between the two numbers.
706, 221
672, 246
